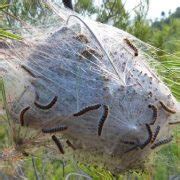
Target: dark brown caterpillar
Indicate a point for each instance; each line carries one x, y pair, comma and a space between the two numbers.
93, 51
55, 129
86, 109
70, 145
132, 148
103, 119
128, 142
82, 38
131, 46
48, 106
155, 134
150, 134
155, 113
167, 108
58, 143
22, 115
88, 53
28, 71
176, 122
164, 141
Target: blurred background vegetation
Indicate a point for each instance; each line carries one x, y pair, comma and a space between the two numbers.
164, 34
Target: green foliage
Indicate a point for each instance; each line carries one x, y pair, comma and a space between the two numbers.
140, 26
25, 9
3, 6
6, 34
3, 33
140, 29
165, 36
113, 12
85, 7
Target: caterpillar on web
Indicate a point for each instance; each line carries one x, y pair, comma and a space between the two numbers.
48, 106
131, 46
54, 129
103, 119
86, 109
167, 108
164, 141
155, 113
22, 115
58, 143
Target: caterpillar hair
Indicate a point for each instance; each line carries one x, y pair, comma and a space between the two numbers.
70, 145
48, 106
167, 108
131, 46
103, 118
58, 143
155, 134
22, 115
86, 109
164, 141
55, 129
155, 113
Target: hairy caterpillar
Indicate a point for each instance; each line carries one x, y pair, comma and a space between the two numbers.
155, 134
167, 108
58, 143
88, 52
48, 106
164, 141
103, 118
131, 46
155, 113
86, 109
176, 122
128, 142
55, 129
82, 38
22, 115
